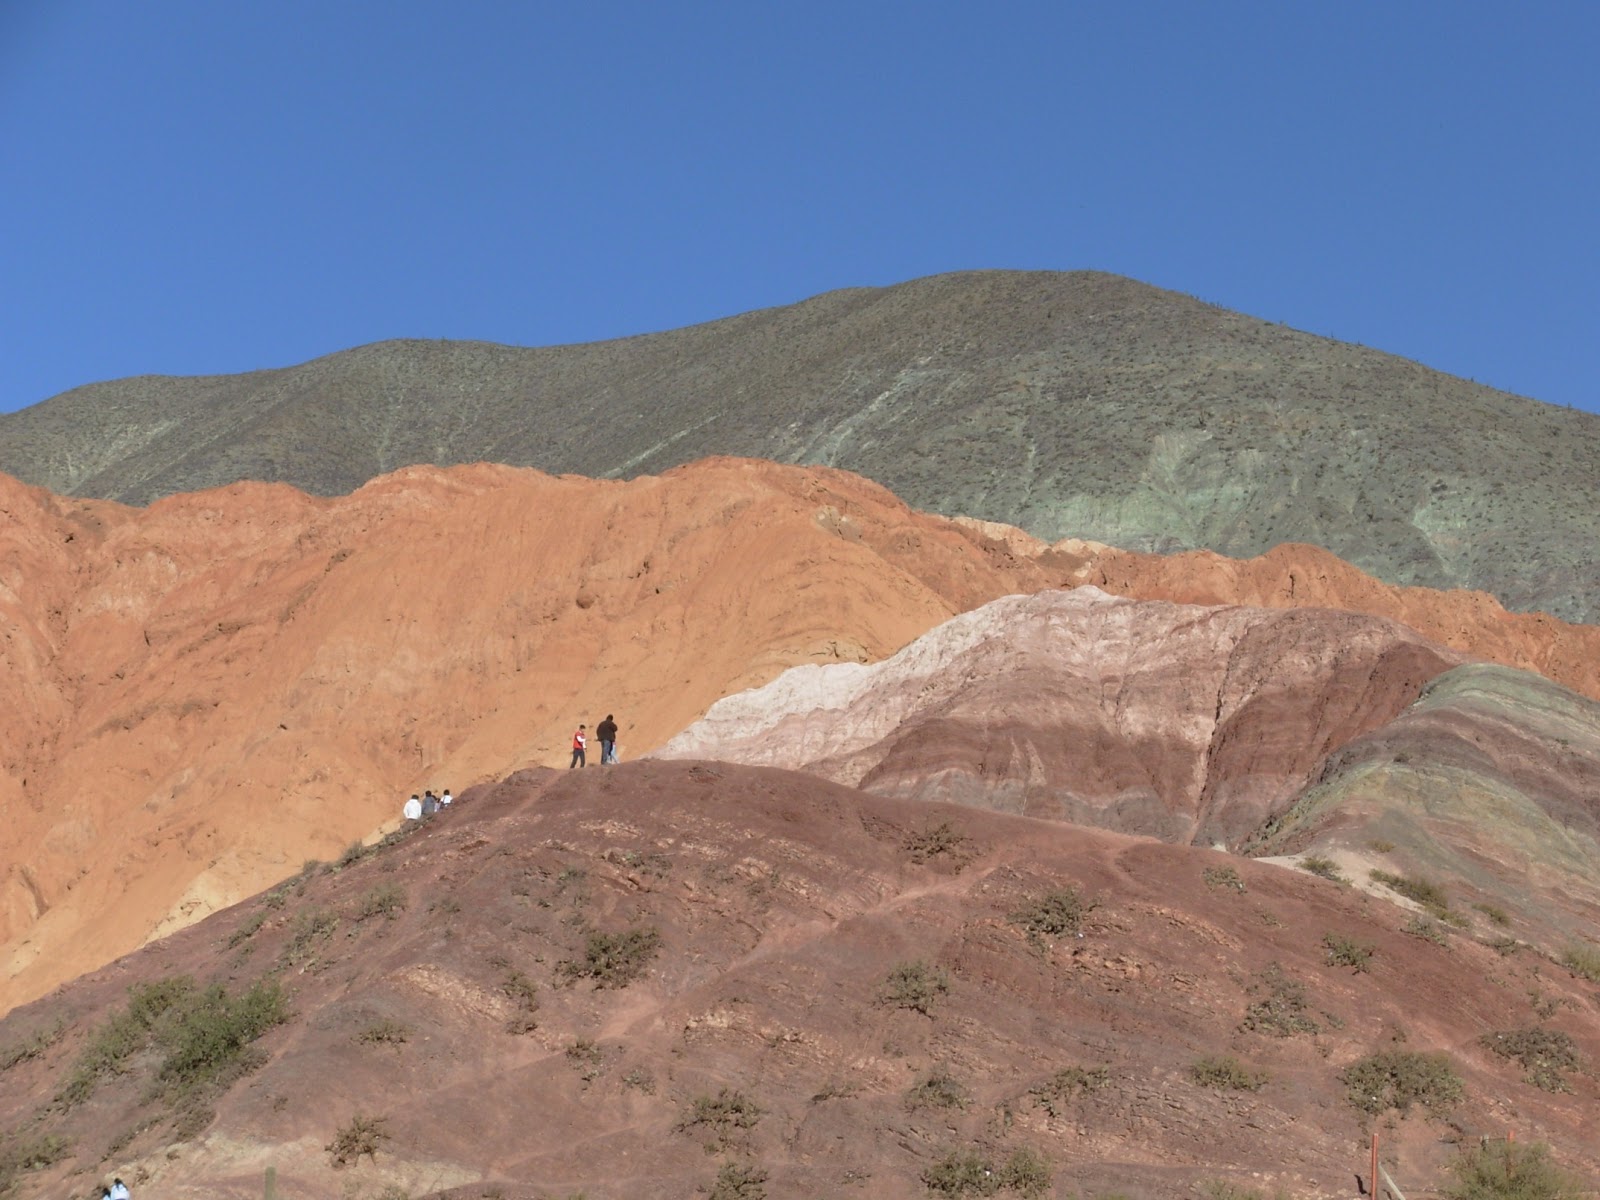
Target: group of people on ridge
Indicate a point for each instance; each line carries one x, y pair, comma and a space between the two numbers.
117, 1191
416, 809
606, 732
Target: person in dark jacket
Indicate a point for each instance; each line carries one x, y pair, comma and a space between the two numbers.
606, 731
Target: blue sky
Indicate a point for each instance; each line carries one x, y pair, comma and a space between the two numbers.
203, 187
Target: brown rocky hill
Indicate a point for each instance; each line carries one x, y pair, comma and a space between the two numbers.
1070, 404
1185, 723
210, 691
645, 981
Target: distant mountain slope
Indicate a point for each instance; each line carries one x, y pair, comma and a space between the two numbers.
1074, 404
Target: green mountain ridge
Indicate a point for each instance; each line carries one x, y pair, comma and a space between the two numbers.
1070, 404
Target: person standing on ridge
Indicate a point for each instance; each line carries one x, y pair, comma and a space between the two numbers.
413, 808
606, 731
119, 1191
579, 741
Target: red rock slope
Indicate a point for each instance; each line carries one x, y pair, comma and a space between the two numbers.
861, 1015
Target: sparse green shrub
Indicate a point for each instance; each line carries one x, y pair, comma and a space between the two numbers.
525, 996
353, 853
363, 1136
1428, 930
1027, 1173
614, 960
642, 1079
724, 1118
1582, 960
937, 841
962, 1173
1281, 1012
122, 1035
1495, 913
586, 1057
248, 927
311, 930
1511, 1171
1347, 952
1323, 867
18, 1156
1545, 1054
1505, 946
205, 1037
1400, 1078
1423, 891
385, 1032
1055, 914
740, 1181
1226, 1074
385, 900
967, 1173
937, 1089
1224, 877
1052, 1095
916, 986
1380, 846
31, 1047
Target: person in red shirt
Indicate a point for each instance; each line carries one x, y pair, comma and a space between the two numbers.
579, 741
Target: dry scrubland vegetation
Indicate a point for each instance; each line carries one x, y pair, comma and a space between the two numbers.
184, 1043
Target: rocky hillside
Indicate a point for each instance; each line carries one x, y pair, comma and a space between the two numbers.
1469, 791
669, 979
210, 691
1076, 404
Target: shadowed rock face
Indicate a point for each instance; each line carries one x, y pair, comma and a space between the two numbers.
1068, 403
780, 905
1191, 724
1489, 785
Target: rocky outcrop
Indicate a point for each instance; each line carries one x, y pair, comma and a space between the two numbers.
1188, 723
1488, 787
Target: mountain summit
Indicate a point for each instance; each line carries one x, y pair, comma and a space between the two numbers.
1069, 404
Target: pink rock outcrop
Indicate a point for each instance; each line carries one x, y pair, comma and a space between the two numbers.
1188, 723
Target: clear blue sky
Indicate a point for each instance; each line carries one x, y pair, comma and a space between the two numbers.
222, 185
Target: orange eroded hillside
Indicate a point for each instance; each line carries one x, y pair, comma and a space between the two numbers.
210, 691
206, 693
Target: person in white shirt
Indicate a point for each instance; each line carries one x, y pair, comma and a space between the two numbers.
119, 1191
445, 799
413, 808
